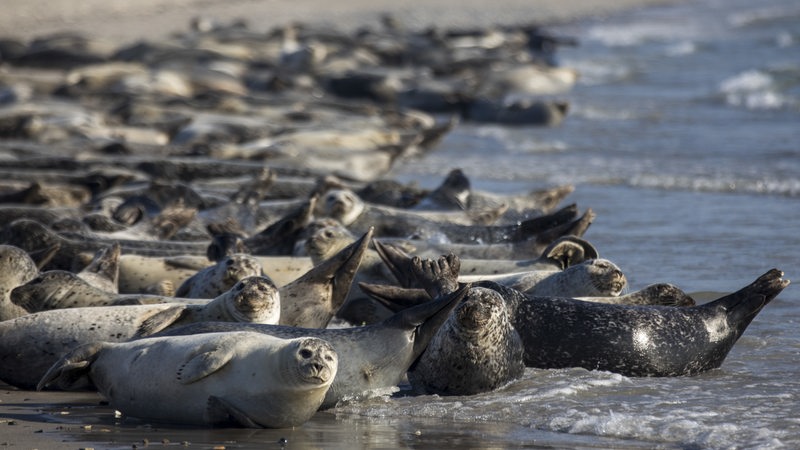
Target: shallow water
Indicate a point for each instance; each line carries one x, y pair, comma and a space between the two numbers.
684, 138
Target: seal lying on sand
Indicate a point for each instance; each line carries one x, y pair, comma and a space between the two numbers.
372, 358
30, 344
250, 379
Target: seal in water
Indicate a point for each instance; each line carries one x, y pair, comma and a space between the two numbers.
247, 378
476, 350
372, 358
636, 340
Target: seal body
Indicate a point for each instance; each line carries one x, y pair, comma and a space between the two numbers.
476, 350
372, 358
635, 340
251, 379
30, 344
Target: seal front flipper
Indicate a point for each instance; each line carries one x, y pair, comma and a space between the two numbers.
160, 321
71, 368
221, 412
204, 364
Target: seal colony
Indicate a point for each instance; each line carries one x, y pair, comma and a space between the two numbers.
249, 172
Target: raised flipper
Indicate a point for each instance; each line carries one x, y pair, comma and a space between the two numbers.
569, 250
743, 305
576, 227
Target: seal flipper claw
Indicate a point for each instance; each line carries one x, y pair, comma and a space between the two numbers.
221, 412
439, 277
398, 262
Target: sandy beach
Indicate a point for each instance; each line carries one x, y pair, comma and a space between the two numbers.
47, 420
151, 19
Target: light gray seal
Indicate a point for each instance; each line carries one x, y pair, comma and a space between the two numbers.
372, 358
30, 344
250, 379
252, 299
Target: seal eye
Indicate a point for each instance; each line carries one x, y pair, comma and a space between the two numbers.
229, 262
239, 286
305, 353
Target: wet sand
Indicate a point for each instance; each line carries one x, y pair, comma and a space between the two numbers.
55, 420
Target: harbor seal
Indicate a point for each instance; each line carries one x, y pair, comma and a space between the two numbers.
372, 358
30, 344
252, 299
16, 269
250, 379
214, 280
593, 277
635, 340
476, 350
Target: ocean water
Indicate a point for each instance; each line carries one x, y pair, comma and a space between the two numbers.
684, 138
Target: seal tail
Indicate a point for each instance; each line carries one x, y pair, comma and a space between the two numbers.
743, 305
68, 371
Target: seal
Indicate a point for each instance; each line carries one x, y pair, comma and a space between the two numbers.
16, 269
562, 332
345, 206
250, 379
30, 344
214, 280
372, 358
254, 298
592, 277
476, 350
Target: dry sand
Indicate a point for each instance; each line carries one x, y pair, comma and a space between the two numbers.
120, 20
51, 420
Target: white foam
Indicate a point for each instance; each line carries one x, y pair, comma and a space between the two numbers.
752, 89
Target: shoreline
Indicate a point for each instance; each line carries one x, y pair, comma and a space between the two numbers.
120, 22
25, 416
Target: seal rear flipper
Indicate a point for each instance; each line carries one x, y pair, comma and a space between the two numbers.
221, 412
569, 250
43, 256
160, 320
398, 262
743, 305
71, 368
546, 222
395, 298
575, 228
204, 364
